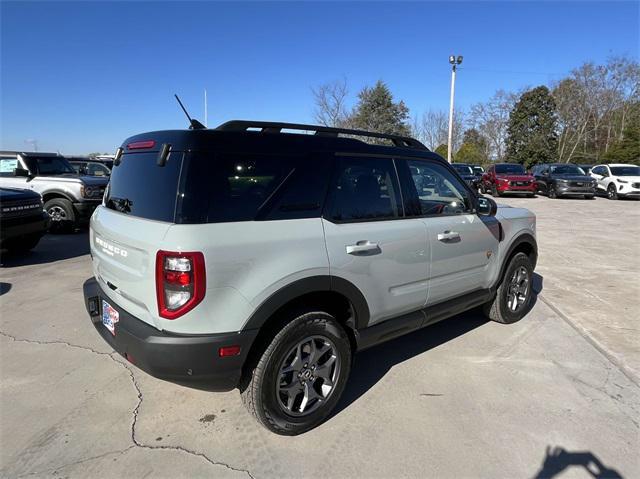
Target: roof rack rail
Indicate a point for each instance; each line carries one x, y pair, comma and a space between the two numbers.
276, 127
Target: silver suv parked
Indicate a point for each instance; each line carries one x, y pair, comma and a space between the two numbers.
69, 198
257, 257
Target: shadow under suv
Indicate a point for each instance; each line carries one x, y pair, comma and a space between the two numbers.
246, 256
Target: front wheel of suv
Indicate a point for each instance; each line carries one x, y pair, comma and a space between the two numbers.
300, 376
513, 297
612, 193
61, 213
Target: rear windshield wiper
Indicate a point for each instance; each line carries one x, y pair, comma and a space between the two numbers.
123, 205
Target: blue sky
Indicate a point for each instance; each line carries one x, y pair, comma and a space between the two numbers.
82, 76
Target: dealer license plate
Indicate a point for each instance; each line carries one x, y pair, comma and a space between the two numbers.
109, 317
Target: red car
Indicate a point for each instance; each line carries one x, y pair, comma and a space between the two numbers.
504, 178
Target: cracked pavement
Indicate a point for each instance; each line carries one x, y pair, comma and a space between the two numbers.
463, 398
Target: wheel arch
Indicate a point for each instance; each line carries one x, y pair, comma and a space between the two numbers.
333, 295
524, 243
53, 194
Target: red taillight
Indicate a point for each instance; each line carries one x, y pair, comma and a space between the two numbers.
229, 351
141, 145
180, 282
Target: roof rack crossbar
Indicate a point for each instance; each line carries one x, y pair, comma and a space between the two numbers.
276, 127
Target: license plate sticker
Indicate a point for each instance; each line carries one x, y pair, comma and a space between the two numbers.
109, 317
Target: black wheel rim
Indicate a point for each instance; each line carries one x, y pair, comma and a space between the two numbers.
307, 376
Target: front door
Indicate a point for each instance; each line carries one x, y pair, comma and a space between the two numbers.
369, 241
463, 244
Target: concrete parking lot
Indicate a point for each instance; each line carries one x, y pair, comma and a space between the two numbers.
555, 395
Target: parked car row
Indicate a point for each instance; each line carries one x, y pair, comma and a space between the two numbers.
69, 197
557, 180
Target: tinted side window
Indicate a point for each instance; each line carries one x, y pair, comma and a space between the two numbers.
364, 189
218, 188
439, 191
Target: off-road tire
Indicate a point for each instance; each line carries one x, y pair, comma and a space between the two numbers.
259, 388
497, 309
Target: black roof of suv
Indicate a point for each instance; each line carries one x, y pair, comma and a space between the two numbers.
278, 170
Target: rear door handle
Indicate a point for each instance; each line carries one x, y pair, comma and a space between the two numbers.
449, 236
363, 248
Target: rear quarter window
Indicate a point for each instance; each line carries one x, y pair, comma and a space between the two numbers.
223, 187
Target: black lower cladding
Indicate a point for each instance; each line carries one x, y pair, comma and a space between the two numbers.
24, 226
176, 358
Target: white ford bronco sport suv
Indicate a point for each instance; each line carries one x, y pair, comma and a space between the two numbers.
258, 257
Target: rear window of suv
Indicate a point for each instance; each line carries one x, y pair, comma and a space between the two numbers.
139, 187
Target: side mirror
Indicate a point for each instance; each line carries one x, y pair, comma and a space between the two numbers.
21, 172
486, 206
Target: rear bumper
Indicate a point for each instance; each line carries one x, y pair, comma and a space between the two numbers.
182, 359
16, 228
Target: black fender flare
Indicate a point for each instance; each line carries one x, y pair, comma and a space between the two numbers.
524, 238
58, 194
311, 284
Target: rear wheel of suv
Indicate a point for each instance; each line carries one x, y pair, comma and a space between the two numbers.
514, 294
300, 376
612, 193
61, 213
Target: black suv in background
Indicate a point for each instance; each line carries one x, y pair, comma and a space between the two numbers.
467, 174
23, 220
563, 179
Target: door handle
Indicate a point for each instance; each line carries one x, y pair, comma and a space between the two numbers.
363, 248
448, 236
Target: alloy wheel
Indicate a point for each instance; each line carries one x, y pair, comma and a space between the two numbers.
57, 213
307, 376
518, 290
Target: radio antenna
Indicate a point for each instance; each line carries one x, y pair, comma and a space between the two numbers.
193, 124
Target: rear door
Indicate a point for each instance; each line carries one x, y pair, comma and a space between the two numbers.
462, 243
369, 241
127, 232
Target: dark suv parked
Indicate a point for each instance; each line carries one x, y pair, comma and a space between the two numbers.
467, 174
564, 179
23, 220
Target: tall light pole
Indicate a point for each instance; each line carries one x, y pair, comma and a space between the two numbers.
206, 122
454, 62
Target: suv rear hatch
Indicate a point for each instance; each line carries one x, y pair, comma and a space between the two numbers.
126, 233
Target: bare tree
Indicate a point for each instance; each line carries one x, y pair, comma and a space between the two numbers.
594, 105
330, 99
491, 119
432, 129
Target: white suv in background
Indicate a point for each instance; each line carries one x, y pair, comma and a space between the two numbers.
618, 180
